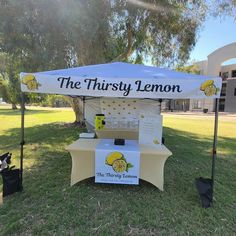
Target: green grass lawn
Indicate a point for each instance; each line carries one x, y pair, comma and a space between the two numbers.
49, 206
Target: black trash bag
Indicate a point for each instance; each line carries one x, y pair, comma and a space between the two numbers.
11, 181
205, 190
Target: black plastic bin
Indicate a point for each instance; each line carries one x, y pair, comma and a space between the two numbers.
11, 181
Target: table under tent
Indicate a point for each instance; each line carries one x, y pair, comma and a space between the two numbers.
124, 93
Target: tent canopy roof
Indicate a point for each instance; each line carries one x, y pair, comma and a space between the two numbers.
123, 70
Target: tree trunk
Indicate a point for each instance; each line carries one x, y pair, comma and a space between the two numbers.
77, 106
13, 106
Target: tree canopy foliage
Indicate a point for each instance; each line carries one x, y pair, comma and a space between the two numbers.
223, 8
54, 34
192, 69
44, 35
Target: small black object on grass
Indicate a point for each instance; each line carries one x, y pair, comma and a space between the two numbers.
205, 190
10, 177
11, 181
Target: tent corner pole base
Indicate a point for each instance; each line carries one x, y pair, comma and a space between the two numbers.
214, 149
205, 186
22, 142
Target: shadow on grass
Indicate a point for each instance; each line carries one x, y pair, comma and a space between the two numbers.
191, 153
10, 112
87, 205
50, 134
191, 150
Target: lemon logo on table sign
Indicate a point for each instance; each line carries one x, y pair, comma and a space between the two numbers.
155, 141
118, 162
31, 82
209, 88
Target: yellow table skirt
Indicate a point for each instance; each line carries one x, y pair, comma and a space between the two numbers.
152, 161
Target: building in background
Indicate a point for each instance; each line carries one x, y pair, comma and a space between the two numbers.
213, 67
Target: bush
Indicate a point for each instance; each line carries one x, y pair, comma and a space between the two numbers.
55, 101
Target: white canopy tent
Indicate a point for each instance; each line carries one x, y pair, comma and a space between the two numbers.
123, 80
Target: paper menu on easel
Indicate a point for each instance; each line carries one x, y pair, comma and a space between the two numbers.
150, 129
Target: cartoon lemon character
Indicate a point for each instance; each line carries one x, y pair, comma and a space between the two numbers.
209, 88
118, 162
31, 82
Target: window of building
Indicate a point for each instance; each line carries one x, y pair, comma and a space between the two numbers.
223, 90
222, 104
197, 104
233, 73
225, 75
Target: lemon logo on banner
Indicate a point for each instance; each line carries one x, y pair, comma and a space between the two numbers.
118, 162
31, 82
209, 88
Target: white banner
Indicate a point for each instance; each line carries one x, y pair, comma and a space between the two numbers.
122, 87
117, 164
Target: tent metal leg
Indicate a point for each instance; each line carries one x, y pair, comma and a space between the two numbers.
160, 101
215, 141
205, 186
83, 109
22, 138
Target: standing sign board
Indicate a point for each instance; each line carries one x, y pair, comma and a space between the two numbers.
117, 164
150, 130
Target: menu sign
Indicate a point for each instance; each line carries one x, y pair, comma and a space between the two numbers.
150, 130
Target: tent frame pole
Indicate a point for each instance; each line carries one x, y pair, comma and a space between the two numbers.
83, 99
214, 150
22, 142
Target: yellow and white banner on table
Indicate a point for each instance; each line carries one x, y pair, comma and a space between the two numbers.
117, 164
